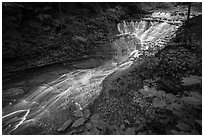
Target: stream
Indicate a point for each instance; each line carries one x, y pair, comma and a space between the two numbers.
47, 104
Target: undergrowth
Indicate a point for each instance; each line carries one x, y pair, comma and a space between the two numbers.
168, 114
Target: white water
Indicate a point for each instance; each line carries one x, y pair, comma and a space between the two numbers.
81, 87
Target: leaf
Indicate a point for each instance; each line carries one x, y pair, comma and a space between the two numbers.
176, 106
148, 92
122, 126
130, 131
95, 131
189, 120
78, 122
199, 122
78, 113
194, 132
153, 91
193, 79
180, 114
179, 132
169, 107
171, 97
161, 93
80, 38
120, 132
164, 121
142, 133
95, 118
174, 132
89, 125
146, 88
65, 125
192, 100
144, 92
127, 121
56, 22
158, 103
87, 133
182, 126
86, 113
196, 94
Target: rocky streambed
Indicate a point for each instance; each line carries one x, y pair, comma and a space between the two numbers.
41, 100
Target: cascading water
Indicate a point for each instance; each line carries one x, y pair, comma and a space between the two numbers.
47, 106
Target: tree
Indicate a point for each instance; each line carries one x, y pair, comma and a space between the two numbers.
189, 10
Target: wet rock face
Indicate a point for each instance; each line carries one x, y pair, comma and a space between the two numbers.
134, 27
124, 46
139, 36
147, 30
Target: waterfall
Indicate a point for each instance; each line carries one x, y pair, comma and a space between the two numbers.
48, 102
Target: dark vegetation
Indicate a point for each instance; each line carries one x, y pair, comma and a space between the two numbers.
160, 94
36, 34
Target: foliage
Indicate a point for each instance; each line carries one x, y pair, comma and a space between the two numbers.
36, 34
165, 113
176, 114
192, 80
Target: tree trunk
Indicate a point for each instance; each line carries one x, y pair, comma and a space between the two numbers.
189, 10
60, 12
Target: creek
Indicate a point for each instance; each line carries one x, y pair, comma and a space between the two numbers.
59, 87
